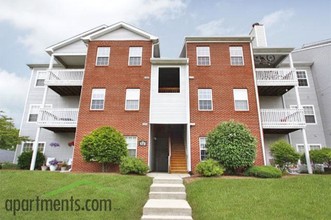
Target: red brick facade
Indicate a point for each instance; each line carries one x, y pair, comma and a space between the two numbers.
222, 78
115, 78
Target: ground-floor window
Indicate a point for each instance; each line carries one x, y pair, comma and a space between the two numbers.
132, 145
301, 147
203, 149
28, 146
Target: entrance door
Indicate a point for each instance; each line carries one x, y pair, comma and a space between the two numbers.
161, 154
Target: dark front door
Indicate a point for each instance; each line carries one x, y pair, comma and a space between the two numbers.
161, 154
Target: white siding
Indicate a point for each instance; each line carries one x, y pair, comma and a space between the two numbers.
121, 34
76, 47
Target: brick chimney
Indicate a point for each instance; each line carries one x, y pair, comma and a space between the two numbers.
258, 34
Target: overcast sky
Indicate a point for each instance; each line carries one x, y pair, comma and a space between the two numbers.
28, 27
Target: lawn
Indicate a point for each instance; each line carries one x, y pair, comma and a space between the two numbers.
128, 194
294, 197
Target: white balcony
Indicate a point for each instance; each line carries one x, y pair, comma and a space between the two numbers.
292, 119
61, 119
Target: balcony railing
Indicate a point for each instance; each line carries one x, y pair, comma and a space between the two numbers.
276, 77
282, 118
67, 77
61, 117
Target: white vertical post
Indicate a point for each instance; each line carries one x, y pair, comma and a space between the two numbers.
35, 143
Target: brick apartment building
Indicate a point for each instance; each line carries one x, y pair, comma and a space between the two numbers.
114, 76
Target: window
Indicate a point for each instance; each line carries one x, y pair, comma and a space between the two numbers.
314, 146
28, 146
169, 80
41, 77
309, 114
103, 56
135, 54
236, 56
205, 99
203, 56
132, 99
34, 111
301, 147
240, 99
302, 78
132, 145
98, 99
203, 149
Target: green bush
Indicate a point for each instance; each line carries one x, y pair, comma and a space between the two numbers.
24, 160
264, 172
132, 165
8, 166
104, 145
232, 144
209, 168
283, 154
318, 156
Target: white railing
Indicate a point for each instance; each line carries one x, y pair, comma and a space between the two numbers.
67, 77
61, 117
276, 77
283, 118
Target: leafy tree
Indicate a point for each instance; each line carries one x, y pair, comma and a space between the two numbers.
9, 135
104, 145
232, 144
283, 154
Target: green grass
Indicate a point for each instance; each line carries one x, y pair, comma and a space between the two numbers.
128, 194
298, 197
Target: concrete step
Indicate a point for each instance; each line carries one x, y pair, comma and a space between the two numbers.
167, 195
167, 207
159, 217
169, 180
156, 187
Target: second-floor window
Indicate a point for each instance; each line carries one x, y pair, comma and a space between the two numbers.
309, 114
34, 111
132, 99
103, 54
135, 56
203, 56
98, 99
132, 145
302, 78
41, 77
236, 56
203, 149
240, 99
205, 99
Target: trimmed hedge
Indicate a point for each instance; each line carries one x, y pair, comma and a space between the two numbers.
209, 168
8, 166
283, 154
264, 172
132, 165
24, 160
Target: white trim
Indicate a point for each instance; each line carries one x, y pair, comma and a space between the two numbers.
133, 55
104, 99
309, 146
200, 149
201, 55
99, 55
296, 72
31, 142
136, 95
211, 99
136, 143
314, 113
244, 98
237, 55
37, 77
40, 106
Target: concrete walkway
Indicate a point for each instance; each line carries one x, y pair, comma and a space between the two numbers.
167, 198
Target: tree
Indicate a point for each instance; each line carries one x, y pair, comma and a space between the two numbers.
104, 145
232, 144
283, 154
9, 135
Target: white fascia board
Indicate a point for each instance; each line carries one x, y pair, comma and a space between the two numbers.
194, 39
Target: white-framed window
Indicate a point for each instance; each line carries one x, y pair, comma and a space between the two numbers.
103, 54
236, 56
301, 147
34, 111
132, 99
132, 142
40, 79
203, 56
302, 78
28, 146
135, 56
98, 99
309, 114
203, 149
205, 97
240, 100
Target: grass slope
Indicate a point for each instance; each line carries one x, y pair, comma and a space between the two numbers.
128, 194
299, 197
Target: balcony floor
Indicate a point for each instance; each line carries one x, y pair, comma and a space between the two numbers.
67, 90
273, 90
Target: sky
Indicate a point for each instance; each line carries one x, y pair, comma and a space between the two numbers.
28, 27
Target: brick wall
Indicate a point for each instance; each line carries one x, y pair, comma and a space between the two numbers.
222, 78
115, 78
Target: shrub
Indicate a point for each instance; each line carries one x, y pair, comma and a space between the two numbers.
104, 145
24, 160
283, 154
232, 144
264, 172
9, 166
318, 156
132, 165
209, 168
